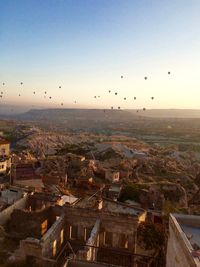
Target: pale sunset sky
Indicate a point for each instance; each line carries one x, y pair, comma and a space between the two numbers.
85, 46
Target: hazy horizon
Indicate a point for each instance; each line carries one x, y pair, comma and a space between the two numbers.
7, 110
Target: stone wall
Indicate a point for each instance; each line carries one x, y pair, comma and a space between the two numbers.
49, 245
116, 224
54, 238
28, 224
90, 251
6, 214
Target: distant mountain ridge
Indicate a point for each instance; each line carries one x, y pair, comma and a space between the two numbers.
171, 113
64, 115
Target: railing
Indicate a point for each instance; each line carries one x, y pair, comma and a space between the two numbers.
114, 256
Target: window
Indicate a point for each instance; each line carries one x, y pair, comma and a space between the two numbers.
87, 233
61, 236
54, 247
123, 241
44, 227
73, 232
108, 238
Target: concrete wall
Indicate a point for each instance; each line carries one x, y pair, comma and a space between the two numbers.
179, 248
5, 214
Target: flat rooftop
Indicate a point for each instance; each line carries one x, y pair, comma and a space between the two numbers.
121, 208
192, 234
109, 206
190, 225
9, 196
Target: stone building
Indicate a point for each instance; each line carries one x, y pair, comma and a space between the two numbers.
4, 148
183, 249
91, 229
5, 161
25, 175
113, 191
112, 176
75, 160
